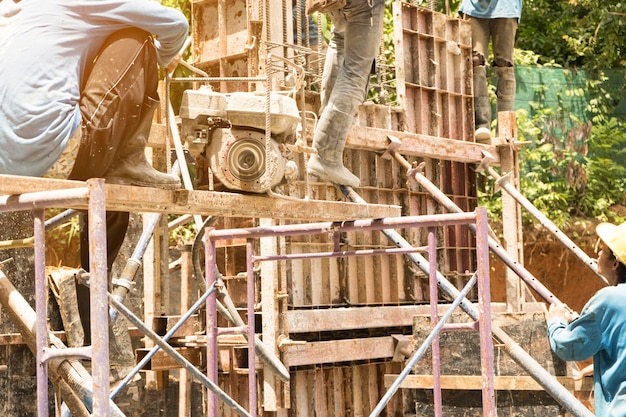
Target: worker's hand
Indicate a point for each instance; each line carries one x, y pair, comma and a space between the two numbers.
586, 371
171, 67
561, 311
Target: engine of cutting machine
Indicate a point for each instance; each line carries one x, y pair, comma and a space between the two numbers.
225, 134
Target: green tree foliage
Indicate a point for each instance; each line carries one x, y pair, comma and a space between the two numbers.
573, 166
575, 33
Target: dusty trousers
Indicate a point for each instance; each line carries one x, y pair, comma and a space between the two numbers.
122, 78
501, 32
355, 41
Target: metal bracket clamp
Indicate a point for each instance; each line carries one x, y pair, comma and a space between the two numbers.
403, 348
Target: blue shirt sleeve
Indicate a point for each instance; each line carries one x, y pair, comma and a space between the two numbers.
580, 339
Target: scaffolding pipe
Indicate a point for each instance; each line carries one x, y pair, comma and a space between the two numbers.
74, 381
60, 218
417, 355
180, 359
264, 353
495, 246
125, 282
519, 355
228, 310
49, 224
44, 199
503, 182
166, 337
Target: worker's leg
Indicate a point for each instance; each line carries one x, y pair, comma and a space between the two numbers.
503, 44
117, 224
480, 51
118, 96
332, 65
117, 104
355, 44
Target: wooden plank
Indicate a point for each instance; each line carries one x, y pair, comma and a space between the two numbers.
186, 286
303, 321
297, 289
373, 383
208, 203
346, 318
321, 401
338, 394
303, 393
269, 308
334, 281
161, 361
152, 308
357, 392
474, 382
312, 353
511, 211
355, 285
414, 144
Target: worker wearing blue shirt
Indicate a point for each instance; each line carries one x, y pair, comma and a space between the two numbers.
600, 330
494, 20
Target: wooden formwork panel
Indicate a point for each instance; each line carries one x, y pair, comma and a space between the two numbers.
434, 73
338, 370
434, 85
226, 38
219, 29
341, 391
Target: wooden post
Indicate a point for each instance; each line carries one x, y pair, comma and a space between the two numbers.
186, 274
511, 211
269, 308
152, 299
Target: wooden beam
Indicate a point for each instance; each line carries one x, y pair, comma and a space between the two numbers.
346, 318
161, 361
323, 320
474, 382
18, 339
346, 350
414, 144
207, 203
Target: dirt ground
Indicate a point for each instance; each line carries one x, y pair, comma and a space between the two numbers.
561, 272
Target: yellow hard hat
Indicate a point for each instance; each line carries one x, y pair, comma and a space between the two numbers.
615, 238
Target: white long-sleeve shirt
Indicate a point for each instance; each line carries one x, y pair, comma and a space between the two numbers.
45, 46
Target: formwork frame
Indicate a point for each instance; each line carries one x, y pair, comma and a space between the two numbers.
449, 165
431, 222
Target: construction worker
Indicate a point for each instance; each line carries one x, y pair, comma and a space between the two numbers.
494, 20
78, 89
355, 39
600, 330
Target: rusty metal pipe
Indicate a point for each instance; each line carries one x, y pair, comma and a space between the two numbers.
74, 381
30, 241
519, 355
495, 246
503, 183
166, 337
180, 359
417, 355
